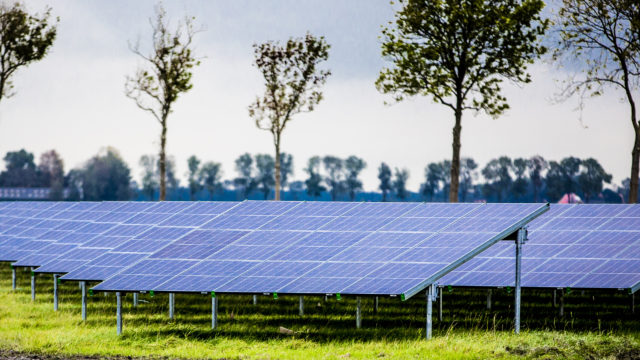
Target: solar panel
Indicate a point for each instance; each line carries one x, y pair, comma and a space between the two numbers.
164, 223
36, 218
288, 247
571, 246
98, 237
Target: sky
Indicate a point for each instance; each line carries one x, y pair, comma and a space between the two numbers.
73, 100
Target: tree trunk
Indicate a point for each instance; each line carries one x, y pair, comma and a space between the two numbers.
635, 160
455, 158
163, 164
277, 194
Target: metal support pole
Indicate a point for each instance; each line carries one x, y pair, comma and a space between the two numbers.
55, 292
214, 312
301, 306
172, 304
520, 239
358, 312
13, 278
440, 305
555, 302
118, 313
430, 292
633, 303
83, 287
135, 299
562, 302
255, 300
376, 304
489, 293
33, 285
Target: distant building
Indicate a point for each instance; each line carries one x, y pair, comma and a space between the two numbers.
27, 193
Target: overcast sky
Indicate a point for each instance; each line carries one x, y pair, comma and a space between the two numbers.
73, 101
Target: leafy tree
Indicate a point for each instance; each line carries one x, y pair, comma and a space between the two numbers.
601, 40
286, 168
399, 183
73, 181
51, 168
209, 177
468, 174
192, 175
353, 166
173, 183
434, 176
537, 164
296, 188
458, 52
245, 181
314, 181
333, 167
562, 177
292, 85
520, 184
265, 177
148, 163
592, 178
384, 175
106, 177
166, 75
20, 170
24, 39
498, 175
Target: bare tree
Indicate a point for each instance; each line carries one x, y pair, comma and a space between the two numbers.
601, 38
292, 85
166, 74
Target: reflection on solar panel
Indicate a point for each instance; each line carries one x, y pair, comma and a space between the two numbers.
24, 222
314, 247
149, 227
571, 246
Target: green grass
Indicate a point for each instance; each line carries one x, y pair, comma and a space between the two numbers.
595, 325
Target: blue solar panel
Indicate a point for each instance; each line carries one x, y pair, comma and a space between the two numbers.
282, 246
570, 246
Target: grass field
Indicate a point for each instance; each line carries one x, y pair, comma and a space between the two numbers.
596, 325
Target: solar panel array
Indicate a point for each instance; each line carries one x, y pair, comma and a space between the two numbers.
571, 246
319, 248
314, 247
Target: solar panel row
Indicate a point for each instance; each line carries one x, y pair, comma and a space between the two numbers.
571, 246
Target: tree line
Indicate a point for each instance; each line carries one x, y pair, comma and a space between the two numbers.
458, 53
106, 176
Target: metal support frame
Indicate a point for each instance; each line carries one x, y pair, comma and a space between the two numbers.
214, 312
255, 300
55, 292
172, 304
520, 240
440, 293
555, 301
489, 293
376, 304
358, 312
301, 306
561, 311
118, 313
13, 278
633, 303
83, 287
135, 300
33, 285
432, 293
